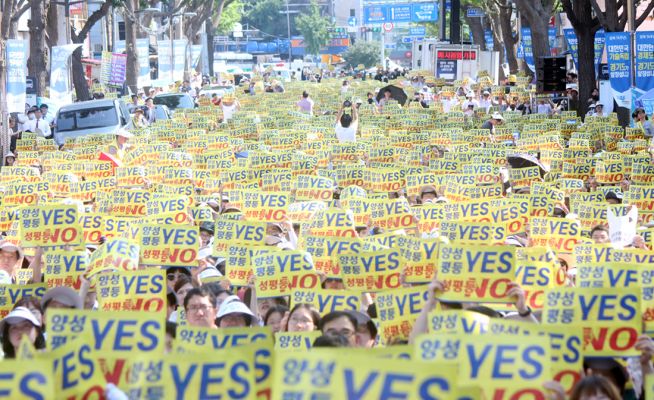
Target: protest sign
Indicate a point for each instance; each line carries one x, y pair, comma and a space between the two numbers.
523, 177
114, 254
622, 229
198, 340
510, 367
483, 233
557, 233
50, 225
610, 318
392, 214
168, 245
24, 380
332, 222
535, 277
228, 232
324, 252
143, 291
281, 272
457, 321
479, 274
10, 294
295, 340
64, 268
327, 300
399, 303
119, 331
371, 271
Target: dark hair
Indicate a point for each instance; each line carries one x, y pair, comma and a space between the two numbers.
334, 315
272, 310
593, 384
9, 350
29, 302
599, 228
171, 299
346, 120
200, 292
171, 329
181, 270
216, 289
315, 315
487, 311
181, 281
149, 98
305, 94
331, 341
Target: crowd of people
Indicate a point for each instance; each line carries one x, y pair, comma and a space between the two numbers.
382, 199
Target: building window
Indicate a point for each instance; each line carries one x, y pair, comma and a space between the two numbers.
353, 12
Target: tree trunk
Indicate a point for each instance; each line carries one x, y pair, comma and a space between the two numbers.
495, 27
476, 28
508, 38
586, 65
537, 13
79, 77
132, 72
210, 48
52, 27
37, 64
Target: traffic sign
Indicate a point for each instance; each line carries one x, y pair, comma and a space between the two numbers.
352, 21
387, 26
475, 12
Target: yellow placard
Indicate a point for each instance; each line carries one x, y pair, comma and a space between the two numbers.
50, 225
169, 245
280, 273
143, 291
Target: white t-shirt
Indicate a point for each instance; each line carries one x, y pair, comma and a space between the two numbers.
228, 111
346, 134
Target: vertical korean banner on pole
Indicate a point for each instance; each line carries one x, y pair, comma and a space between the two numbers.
528, 49
59, 80
118, 69
600, 41
165, 66
645, 60
143, 51
573, 44
16, 61
618, 50
196, 53
179, 52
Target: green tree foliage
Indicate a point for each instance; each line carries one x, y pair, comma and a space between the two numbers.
265, 15
314, 28
231, 14
366, 53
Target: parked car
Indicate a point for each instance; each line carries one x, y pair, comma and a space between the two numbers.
91, 117
175, 100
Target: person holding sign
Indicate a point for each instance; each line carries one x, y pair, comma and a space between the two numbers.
11, 257
495, 120
347, 124
302, 318
19, 324
340, 323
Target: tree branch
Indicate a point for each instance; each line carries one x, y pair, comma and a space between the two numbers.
645, 14
20, 12
572, 17
601, 17
93, 18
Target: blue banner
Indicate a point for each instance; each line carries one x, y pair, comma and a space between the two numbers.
488, 37
618, 50
551, 38
573, 46
143, 51
165, 62
60, 92
599, 48
400, 13
179, 52
527, 47
645, 60
16, 57
417, 31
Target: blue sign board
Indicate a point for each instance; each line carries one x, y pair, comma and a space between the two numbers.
618, 50
644, 60
475, 12
410, 12
417, 31
352, 21
488, 38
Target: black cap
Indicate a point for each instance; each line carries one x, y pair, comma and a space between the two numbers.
208, 227
613, 195
365, 320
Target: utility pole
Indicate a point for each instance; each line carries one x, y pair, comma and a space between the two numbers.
455, 22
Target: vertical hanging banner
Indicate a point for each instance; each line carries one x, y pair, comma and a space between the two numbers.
551, 38
105, 69
16, 85
179, 50
573, 44
118, 69
165, 62
525, 32
600, 40
645, 60
618, 50
60, 92
143, 51
196, 52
